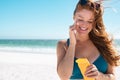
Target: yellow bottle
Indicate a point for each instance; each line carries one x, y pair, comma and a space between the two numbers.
83, 63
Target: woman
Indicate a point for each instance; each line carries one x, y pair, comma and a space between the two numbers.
88, 39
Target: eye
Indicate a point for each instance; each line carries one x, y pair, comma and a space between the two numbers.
80, 20
90, 22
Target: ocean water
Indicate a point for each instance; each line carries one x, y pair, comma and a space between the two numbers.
34, 45
28, 45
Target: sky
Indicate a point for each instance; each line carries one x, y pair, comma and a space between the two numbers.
48, 19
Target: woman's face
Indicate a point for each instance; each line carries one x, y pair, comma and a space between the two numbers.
84, 20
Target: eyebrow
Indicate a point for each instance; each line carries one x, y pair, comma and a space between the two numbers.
83, 17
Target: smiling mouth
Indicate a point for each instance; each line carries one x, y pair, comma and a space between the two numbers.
83, 28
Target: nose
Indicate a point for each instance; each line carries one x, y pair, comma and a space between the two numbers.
84, 23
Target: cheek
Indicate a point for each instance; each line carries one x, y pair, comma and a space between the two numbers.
77, 23
91, 26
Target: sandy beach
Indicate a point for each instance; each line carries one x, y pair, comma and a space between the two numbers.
27, 66
30, 66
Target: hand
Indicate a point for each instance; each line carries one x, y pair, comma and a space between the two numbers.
72, 34
92, 71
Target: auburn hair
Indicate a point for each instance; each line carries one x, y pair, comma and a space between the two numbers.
98, 35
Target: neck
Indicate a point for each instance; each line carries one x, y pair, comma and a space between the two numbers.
82, 38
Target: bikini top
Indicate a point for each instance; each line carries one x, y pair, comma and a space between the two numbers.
100, 63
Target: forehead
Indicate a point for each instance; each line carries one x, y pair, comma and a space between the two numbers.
84, 13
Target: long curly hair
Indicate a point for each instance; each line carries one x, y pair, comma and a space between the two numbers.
98, 35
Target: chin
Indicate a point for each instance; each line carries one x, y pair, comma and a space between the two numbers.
83, 32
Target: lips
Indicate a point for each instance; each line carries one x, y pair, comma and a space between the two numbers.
83, 28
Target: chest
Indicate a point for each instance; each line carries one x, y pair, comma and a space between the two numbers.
89, 52
100, 63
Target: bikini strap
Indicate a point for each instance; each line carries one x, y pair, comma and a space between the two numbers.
68, 42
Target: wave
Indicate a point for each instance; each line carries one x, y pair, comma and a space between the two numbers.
39, 50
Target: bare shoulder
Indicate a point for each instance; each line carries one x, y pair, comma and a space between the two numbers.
111, 69
61, 44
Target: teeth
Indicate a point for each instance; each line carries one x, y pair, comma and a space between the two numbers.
82, 28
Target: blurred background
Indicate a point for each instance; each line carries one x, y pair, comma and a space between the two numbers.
36, 25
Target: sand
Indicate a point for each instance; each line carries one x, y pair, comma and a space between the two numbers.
27, 66
30, 66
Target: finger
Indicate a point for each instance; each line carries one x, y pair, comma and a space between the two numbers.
91, 71
90, 68
71, 27
92, 74
75, 24
74, 31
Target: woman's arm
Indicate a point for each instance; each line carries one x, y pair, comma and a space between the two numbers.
93, 72
110, 75
65, 57
65, 60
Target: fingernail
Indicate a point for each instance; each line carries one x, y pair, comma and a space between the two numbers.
75, 31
